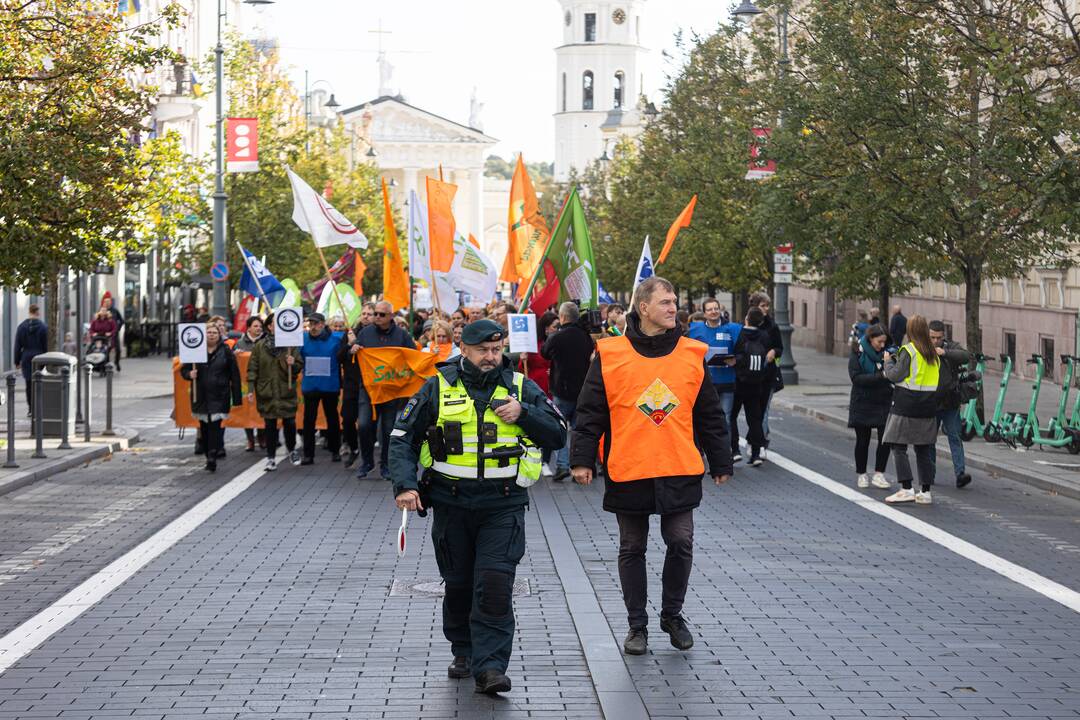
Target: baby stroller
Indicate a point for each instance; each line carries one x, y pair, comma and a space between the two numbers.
97, 353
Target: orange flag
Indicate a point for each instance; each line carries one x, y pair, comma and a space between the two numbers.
393, 372
683, 221
528, 232
474, 241
359, 268
395, 279
441, 226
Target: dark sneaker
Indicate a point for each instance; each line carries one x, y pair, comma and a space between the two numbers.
221, 454
459, 669
490, 682
336, 457
963, 480
307, 461
211, 466
561, 474
365, 468
353, 455
636, 642
680, 634
294, 457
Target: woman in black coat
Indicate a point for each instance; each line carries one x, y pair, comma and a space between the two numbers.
871, 398
215, 389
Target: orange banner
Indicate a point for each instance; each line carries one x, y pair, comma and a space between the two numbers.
393, 372
242, 416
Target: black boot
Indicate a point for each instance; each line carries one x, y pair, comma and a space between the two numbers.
675, 626
490, 682
460, 668
963, 480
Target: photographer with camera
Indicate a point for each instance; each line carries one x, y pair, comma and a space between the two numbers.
954, 374
570, 351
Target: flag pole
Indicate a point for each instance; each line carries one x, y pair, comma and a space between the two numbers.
330, 278
543, 260
254, 276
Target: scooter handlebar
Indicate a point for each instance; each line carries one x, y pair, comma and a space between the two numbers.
1003, 358
1035, 358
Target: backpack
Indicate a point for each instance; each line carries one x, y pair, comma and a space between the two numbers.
751, 365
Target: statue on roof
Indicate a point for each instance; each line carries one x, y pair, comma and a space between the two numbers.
475, 108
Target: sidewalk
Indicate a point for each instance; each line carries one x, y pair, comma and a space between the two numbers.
142, 379
823, 393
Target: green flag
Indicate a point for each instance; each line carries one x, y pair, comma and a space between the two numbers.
292, 294
570, 255
328, 303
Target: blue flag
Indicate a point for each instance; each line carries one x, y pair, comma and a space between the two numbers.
254, 269
603, 295
644, 266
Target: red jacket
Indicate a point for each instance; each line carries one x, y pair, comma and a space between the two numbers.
104, 327
538, 371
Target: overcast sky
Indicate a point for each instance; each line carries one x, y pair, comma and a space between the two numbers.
440, 50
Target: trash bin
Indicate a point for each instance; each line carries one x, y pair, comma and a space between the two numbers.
52, 392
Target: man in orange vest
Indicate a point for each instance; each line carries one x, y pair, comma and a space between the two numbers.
648, 398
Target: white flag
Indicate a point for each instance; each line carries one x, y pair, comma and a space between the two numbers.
472, 271
313, 214
420, 260
644, 264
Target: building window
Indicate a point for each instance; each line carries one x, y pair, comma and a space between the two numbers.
564, 92
1010, 346
804, 318
590, 27
587, 90
1046, 345
948, 332
619, 81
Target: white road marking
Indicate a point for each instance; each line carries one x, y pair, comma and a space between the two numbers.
1031, 580
23, 639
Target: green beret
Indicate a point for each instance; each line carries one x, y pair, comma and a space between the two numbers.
482, 331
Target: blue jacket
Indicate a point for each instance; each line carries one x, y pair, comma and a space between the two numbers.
721, 341
321, 376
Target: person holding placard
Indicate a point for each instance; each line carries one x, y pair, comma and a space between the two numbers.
215, 389
272, 373
321, 384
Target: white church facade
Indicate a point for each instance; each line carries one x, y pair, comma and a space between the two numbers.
599, 80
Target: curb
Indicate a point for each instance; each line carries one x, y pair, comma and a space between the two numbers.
22, 479
989, 467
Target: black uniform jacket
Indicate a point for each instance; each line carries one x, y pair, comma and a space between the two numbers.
665, 493
540, 421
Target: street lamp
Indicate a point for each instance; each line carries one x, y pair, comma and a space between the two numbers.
746, 13
220, 300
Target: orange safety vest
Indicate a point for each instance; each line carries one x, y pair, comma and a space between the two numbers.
651, 403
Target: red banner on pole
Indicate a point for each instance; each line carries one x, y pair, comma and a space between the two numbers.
242, 145
759, 167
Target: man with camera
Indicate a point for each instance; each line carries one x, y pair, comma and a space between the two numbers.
954, 374
569, 351
477, 428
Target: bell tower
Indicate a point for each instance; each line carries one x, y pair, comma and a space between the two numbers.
598, 79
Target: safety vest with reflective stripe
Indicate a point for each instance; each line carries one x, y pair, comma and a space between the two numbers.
455, 405
916, 395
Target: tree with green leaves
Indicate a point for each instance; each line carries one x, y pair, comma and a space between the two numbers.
77, 188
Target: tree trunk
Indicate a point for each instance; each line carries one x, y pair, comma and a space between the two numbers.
884, 295
973, 277
53, 314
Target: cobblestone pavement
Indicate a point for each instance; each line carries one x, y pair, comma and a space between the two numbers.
804, 605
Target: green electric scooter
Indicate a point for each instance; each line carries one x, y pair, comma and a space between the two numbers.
971, 426
993, 429
1028, 432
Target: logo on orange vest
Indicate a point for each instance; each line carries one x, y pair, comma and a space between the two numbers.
657, 401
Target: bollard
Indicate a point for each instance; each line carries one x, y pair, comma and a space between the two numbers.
11, 422
65, 410
108, 431
88, 368
39, 428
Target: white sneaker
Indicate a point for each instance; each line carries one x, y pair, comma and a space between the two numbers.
923, 498
736, 457
546, 470
294, 457
880, 481
863, 481
270, 466
765, 452
903, 495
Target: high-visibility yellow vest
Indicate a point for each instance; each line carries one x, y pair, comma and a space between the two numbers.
916, 395
922, 376
455, 405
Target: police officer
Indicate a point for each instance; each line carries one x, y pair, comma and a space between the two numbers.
477, 428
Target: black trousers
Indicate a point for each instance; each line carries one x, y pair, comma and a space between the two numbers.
862, 450
329, 402
213, 437
925, 461
677, 530
478, 553
751, 399
349, 413
288, 429
385, 415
